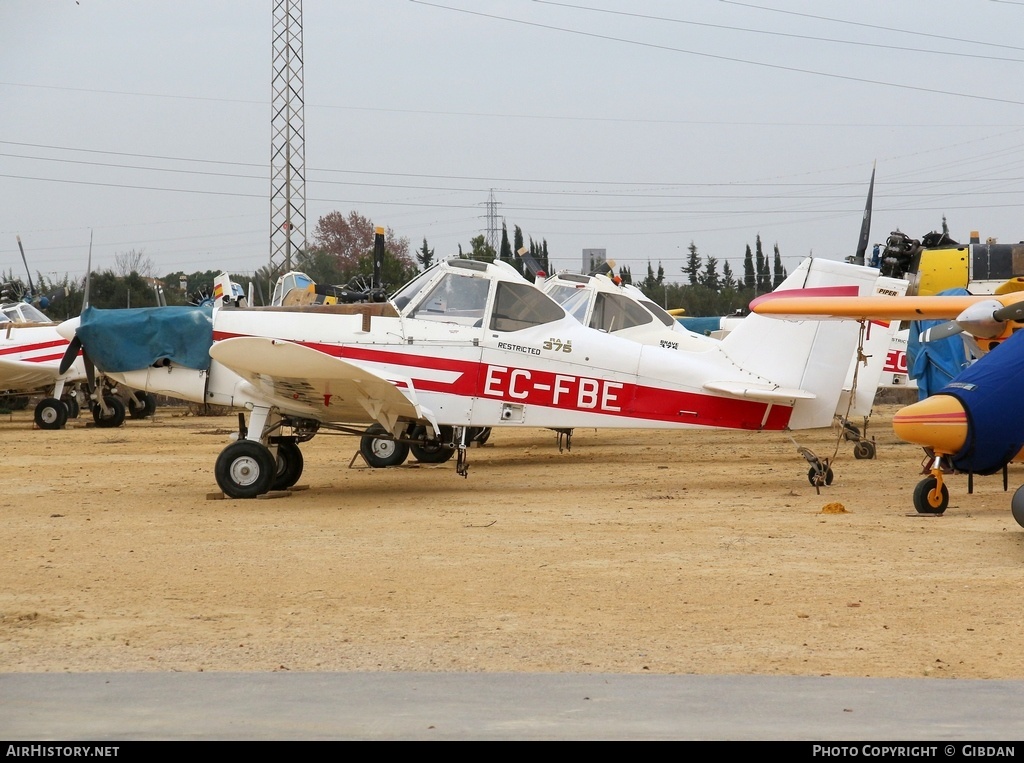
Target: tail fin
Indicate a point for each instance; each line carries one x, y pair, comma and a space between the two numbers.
811, 355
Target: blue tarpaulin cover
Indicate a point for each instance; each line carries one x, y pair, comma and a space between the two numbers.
133, 339
989, 391
934, 364
701, 325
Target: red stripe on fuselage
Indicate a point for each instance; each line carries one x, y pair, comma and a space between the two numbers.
23, 348
568, 391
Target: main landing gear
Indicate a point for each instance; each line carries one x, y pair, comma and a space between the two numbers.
250, 467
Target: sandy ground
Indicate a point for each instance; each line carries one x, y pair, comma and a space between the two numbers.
637, 551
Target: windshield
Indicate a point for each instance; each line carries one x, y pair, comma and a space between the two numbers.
455, 299
405, 295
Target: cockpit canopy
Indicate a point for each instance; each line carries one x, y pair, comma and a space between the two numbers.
21, 312
462, 291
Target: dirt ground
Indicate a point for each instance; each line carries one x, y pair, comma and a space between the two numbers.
636, 551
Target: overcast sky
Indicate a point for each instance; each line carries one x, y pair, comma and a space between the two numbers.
635, 126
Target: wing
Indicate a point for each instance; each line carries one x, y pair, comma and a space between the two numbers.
26, 376
794, 305
298, 379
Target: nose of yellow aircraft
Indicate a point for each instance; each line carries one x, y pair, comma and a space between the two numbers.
938, 422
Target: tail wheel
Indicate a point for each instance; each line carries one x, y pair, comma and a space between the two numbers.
245, 469
930, 497
380, 449
289, 465
114, 416
144, 408
51, 413
812, 476
864, 450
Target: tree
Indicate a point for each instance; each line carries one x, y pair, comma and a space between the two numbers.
349, 239
764, 275
749, 275
130, 262
779, 274
692, 268
481, 250
728, 279
505, 254
709, 279
425, 255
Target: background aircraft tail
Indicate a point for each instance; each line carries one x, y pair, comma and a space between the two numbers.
811, 355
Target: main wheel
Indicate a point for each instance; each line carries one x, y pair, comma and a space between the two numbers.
114, 417
928, 500
144, 408
479, 435
434, 451
245, 469
812, 475
382, 451
864, 450
51, 413
71, 403
289, 465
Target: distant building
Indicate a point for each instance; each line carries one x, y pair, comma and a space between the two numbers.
592, 258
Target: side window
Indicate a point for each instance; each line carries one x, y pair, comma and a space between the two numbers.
519, 305
613, 312
455, 299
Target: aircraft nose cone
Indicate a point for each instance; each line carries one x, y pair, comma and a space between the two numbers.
68, 328
938, 422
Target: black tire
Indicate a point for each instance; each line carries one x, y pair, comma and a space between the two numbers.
864, 450
144, 408
479, 435
115, 414
1017, 505
812, 475
14, 402
289, 465
924, 500
51, 413
71, 403
434, 451
245, 469
381, 452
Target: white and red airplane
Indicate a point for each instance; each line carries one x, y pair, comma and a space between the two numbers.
600, 301
466, 344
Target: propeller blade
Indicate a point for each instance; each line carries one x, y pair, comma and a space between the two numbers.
1014, 312
941, 331
69, 355
90, 372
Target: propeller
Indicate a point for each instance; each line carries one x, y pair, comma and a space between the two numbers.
986, 320
75, 342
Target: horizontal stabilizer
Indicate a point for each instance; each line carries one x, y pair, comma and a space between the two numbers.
765, 392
